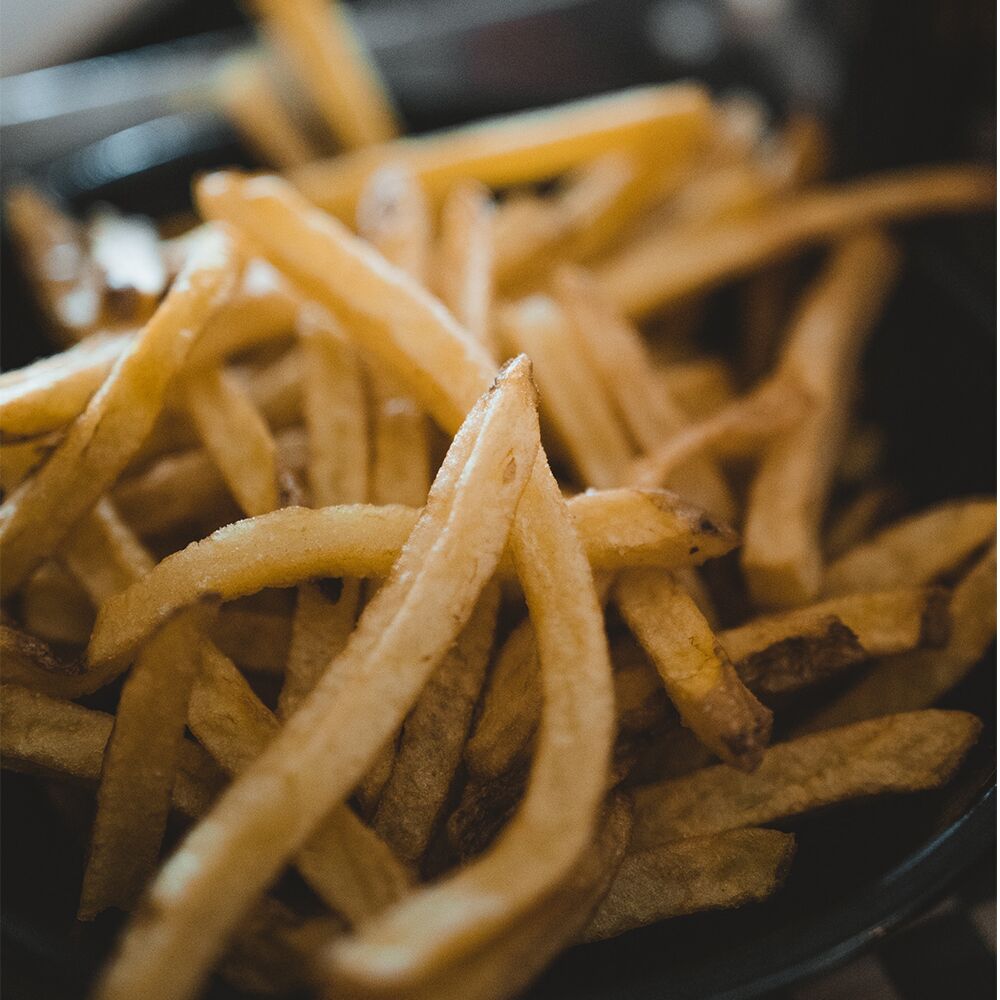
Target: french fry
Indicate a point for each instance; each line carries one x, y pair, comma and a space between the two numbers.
698, 388
437, 926
618, 528
854, 522
433, 737
49, 736
673, 120
704, 873
782, 652
571, 397
133, 798
657, 271
782, 559
110, 430
30, 663
55, 607
320, 44
908, 752
916, 550
698, 675
235, 436
22, 459
324, 749
251, 103
917, 679
465, 265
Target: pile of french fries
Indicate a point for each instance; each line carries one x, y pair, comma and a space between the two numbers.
386, 525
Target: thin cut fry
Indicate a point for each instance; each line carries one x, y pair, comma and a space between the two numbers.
117, 419
674, 120
900, 753
324, 749
704, 873
659, 270
322, 47
698, 676
919, 678
916, 550
782, 558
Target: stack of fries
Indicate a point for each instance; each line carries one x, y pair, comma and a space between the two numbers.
284, 555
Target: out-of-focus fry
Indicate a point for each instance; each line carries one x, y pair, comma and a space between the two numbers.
658, 270
698, 676
783, 652
55, 607
782, 559
322, 47
29, 662
21, 459
698, 388
862, 455
251, 102
235, 436
618, 355
738, 430
324, 749
104, 437
465, 263
393, 216
256, 640
133, 798
673, 120
570, 395
434, 734
854, 522
43, 735
687, 876
916, 550
899, 753
917, 679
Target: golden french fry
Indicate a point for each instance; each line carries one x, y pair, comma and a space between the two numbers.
703, 873
321, 45
917, 679
908, 752
110, 430
30, 663
781, 555
698, 388
325, 748
916, 550
251, 103
21, 459
698, 675
434, 734
571, 398
52, 737
661, 269
133, 797
674, 120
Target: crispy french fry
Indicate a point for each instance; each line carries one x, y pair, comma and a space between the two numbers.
251, 103
320, 43
900, 753
916, 550
782, 559
782, 652
674, 120
133, 798
110, 430
703, 873
699, 678
235, 436
570, 396
917, 679
618, 528
658, 270
324, 749
433, 737
49, 736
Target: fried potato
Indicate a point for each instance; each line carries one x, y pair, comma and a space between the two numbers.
698, 388
659, 270
673, 121
917, 679
699, 678
899, 753
55, 607
781, 557
325, 748
105, 436
30, 663
916, 550
703, 873
21, 459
